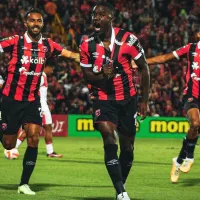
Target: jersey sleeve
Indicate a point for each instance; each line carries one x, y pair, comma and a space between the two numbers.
56, 48
84, 55
7, 44
135, 49
182, 51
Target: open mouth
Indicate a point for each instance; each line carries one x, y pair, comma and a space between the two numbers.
97, 27
36, 29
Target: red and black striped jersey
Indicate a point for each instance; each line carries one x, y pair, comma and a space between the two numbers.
26, 65
192, 51
124, 47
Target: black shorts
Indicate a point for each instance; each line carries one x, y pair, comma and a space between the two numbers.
190, 102
15, 114
121, 113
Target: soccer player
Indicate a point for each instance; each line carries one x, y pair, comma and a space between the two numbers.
46, 114
20, 101
191, 95
106, 64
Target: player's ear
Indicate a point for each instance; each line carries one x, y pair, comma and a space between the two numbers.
25, 23
198, 35
111, 16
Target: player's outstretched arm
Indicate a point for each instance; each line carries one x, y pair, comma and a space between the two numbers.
160, 59
69, 54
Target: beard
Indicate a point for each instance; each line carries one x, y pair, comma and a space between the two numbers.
32, 33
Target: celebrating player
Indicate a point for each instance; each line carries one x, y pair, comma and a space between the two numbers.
20, 102
46, 114
191, 95
106, 64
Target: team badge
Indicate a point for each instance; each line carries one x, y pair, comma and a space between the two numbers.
4, 126
190, 99
97, 113
44, 49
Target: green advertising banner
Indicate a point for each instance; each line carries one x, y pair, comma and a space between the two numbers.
165, 127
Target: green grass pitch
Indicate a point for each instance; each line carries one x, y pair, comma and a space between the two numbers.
81, 174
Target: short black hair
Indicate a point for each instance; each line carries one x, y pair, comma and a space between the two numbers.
32, 10
107, 5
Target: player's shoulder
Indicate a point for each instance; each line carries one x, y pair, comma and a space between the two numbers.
125, 32
88, 38
11, 37
85, 41
131, 39
189, 45
46, 38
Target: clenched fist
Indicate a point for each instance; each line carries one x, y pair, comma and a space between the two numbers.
108, 71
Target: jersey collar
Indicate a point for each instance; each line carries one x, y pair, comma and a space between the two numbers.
199, 45
28, 39
112, 39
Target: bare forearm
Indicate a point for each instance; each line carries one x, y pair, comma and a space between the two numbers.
145, 85
160, 59
69, 54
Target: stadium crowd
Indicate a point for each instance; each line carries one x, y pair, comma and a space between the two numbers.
161, 26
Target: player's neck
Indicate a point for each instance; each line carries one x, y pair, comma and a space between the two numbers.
106, 36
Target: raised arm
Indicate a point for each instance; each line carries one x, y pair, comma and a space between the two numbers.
160, 59
69, 54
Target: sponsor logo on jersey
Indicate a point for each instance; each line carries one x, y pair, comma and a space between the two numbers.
132, 40
195, 65
35, 60
89, 39
194, 54
95, 54
195, 77
23, 71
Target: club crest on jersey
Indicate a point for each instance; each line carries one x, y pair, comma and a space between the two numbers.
190, 99
4, 126
44, 49
108, 60
96, 69
97, 113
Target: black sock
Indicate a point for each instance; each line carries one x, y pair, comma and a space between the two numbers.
183, 152
29, 162
191, 143
113, 167
126, 160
